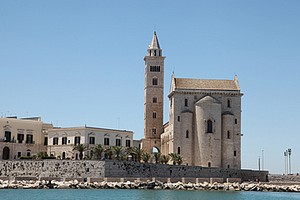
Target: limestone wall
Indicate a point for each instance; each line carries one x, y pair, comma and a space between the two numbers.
141, 170
119, 169
52, 168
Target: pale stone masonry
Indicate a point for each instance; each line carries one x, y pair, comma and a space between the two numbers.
153, 95
204, 124
22, 137
63, 140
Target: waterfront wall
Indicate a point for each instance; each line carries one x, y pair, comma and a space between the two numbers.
52, 168
142, 170
121, 169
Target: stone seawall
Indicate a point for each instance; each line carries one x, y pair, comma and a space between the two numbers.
52, 168
142, 170
121, 169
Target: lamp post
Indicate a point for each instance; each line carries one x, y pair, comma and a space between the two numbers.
290, 166
285, 162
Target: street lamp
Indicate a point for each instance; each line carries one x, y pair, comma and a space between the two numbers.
285, 162
290, 152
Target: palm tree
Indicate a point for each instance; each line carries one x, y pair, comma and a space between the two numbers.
164, 159
138, 154
80, 148
146, 157
173, 157
157, 157
118, 151
179, 159
109, 152
98, 151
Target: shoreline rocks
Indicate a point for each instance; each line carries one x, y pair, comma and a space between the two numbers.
151, 185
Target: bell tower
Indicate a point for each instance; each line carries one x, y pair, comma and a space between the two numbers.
153, 96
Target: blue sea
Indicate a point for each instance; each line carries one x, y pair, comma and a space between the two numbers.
61, 194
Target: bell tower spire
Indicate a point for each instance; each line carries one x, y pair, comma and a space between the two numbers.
153, 96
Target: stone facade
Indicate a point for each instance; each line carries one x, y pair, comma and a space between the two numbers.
153, 96
204, 124
114, 170
63, 140
22, 137
52, 168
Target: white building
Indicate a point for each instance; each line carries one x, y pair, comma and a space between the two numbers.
63, 140
22, 137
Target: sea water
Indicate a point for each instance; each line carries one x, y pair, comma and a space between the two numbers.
86, 194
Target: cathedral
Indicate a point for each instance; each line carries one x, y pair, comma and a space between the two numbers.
204, 124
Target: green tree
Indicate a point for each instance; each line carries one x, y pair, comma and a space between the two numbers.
157, 157
117, 151
109, 152
80, 148
179, 159
97, 151
41, 155
174, 157
164, 159
146, 157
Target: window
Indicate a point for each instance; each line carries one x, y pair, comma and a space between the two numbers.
20, 138
64, 140
45, 140
228, 103
234, 153
209, 126
154, 100
209, 164
92, 140
154, 68
228, 134
155, 81
28, 153
228, 166
106, 141
19, 154
187, 134
178, 118
186, 102
154, 52
118, 142
154, 115
29, 139
7, 136
235, 121
127, 143
77, 140
154, 131
178, 150
55, 141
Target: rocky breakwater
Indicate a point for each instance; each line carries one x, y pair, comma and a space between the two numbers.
156, 185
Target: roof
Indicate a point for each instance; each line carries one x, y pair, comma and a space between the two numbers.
206, 84
89, 128
154, 43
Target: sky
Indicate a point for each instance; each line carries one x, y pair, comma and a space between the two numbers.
76, 63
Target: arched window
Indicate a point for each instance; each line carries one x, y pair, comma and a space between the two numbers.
154, 115
154, 100
228, 103
185, 102
209, 126
187, 134
155, 81
178, 150
228, 134
209, 164
153, 131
